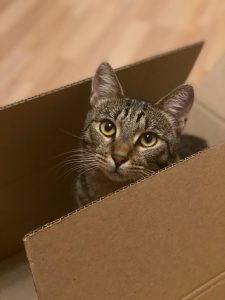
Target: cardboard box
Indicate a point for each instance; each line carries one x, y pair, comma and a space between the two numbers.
161, 238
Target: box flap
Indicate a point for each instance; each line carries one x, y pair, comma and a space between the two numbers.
214, 289
161, 238
211, 92
205, 124
207, 117
33, 134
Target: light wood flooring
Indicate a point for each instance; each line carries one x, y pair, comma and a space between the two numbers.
48, 43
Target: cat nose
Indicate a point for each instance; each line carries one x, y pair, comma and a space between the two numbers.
119, 159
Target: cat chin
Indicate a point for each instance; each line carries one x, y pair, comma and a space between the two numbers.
118, 177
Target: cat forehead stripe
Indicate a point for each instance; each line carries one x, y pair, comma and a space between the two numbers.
117, 114
145, 105
126, 112
141, 114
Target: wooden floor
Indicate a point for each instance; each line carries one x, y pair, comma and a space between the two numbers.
45, 44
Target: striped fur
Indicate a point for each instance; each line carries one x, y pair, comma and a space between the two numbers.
132, 117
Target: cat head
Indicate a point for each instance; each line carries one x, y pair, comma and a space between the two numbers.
127, 137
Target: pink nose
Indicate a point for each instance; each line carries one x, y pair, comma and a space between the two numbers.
119, 159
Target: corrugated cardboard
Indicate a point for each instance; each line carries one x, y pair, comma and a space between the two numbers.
162, 238
33, 136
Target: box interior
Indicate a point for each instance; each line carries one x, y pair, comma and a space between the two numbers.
33, 131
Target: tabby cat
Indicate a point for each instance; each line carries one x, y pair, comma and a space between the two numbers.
125, 139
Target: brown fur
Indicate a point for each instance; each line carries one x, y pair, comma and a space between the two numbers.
108, 163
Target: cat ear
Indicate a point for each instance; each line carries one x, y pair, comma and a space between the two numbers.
178, 104
105, 84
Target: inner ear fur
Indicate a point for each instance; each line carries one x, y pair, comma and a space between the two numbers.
177, 104
105, 84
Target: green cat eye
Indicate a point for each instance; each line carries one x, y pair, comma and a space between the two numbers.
148, 139
107, 128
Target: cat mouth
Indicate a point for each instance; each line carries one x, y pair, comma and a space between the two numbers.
118, 175
115, 176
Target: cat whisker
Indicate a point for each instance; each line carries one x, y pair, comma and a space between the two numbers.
73, 166
80, 156
71, 134
79, 169
140, 171
79, 151
138, 168
68, 162
79, 160
73, 151
148, 173
87, 170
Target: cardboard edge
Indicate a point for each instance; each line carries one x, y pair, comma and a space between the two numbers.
198, 45
28, 236
211, 111
205, 287
30, 262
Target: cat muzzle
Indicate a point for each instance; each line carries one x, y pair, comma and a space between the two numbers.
119, 160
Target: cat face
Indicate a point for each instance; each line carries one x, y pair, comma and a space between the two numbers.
130, 138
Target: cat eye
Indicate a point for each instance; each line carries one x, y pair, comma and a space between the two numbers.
148, 139
107, 128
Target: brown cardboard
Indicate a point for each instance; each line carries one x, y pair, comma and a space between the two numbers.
32, 137
144, 242
159, 239
203, 123
211, 290
207, 118
162, 238
212, 92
